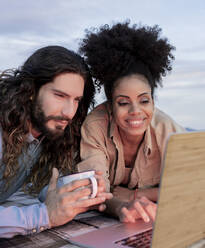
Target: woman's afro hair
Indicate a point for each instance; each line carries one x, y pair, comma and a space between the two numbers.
109, 50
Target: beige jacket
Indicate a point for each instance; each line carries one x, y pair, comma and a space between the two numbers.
102, 149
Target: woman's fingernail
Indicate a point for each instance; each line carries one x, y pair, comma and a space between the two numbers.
147, 219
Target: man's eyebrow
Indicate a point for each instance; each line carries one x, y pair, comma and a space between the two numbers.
79, 97
65, 94
59, 91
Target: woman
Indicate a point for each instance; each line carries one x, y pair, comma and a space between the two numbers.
125, 137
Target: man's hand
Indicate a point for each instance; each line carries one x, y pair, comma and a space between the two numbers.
139, 208
65, 203
101, 191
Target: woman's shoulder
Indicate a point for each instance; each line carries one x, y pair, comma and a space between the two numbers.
97, 120
162, 121
100, 113
159, 116
162, 126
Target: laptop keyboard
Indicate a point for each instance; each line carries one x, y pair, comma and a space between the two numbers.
140, 240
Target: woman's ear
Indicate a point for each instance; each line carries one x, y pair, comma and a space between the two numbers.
109, 104
153, 100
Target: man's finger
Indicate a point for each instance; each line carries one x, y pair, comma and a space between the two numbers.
53, 180
102, 207
75, 185
108, 196
98, 173
101, 183
89, 202
75, 196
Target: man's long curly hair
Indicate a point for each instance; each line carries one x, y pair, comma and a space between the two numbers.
113, 52
17, 88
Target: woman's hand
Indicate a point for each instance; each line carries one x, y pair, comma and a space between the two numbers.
150, 193
123, 194
139, 208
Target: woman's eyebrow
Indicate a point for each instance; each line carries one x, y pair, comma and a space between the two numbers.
142, 94
121, 96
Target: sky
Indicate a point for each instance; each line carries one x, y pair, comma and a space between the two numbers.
27, 25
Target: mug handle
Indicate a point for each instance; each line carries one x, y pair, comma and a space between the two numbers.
94, 187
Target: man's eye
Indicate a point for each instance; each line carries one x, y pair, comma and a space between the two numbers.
59, 95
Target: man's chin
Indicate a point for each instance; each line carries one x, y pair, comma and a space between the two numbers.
54, 134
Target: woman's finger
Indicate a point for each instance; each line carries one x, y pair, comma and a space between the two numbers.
151, 207
128, 216
141, 211
152, 210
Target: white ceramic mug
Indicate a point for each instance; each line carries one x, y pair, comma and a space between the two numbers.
82, 175
73, 177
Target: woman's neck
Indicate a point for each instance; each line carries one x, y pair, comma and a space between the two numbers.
130, 140
131, 145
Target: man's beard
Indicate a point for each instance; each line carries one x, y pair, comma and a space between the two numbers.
39, 121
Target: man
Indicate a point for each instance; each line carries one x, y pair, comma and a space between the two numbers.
42, 106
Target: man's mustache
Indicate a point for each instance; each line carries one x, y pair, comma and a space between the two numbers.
58, 118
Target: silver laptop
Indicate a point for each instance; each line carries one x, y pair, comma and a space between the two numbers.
180, 217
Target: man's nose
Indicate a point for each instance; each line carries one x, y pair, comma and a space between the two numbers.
69, 110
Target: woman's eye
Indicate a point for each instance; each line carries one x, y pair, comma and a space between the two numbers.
122, 103
144, 101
